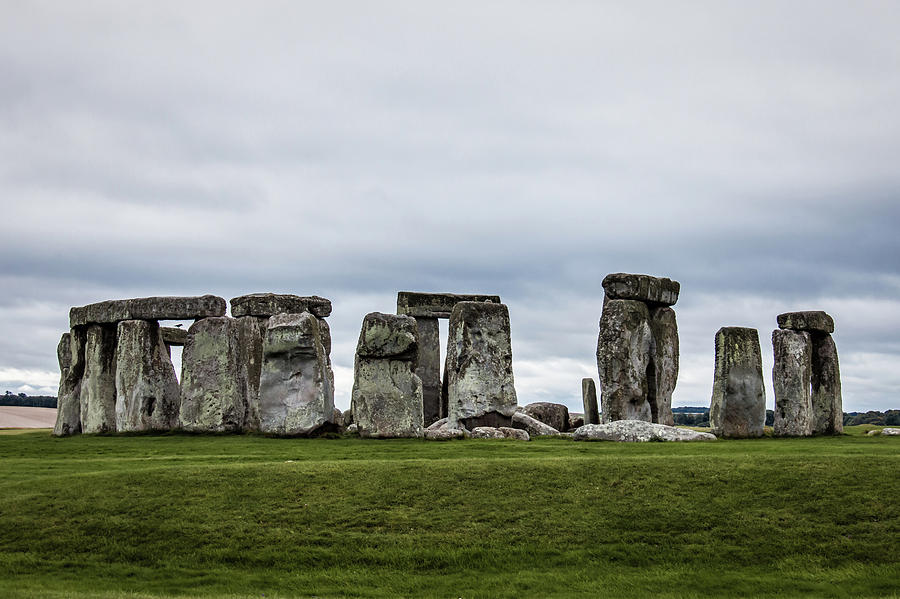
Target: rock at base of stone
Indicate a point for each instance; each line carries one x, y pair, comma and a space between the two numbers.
534, 427
555, 415
219, 381
623, 355
589, 399
791, 378
352, 429
147, 393
295, 393
575, 421
738, 404
437, 425
633, 431
503, 432
825, 394
98, 385
643, 288
812, 321
662, 372
445, 434
70, 354
478, 371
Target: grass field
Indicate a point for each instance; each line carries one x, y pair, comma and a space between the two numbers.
247, 516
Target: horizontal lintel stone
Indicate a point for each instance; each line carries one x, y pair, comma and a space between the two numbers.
816, 321
644, 288
173, 335
147, 308
435, 305
270, 304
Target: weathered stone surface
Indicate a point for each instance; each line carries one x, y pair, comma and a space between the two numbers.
270, 304
435, 305
147, 393
814, 321
429, 367
791, 376
437, 425
220, 376
632, 431
70, 354
480, 386
623, 355
825, 396
738, 405
295, 393
388, 336
173, 335
348, 417
98, 385
535, 427
147, 308
662, 372
575, 421
387, 395
338, 418
502, 432
589, 399
445, 434
555, 415
890, 432
643, 288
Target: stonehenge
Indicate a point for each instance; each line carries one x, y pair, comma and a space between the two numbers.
738, 404
637, 348
806, 376
147, 392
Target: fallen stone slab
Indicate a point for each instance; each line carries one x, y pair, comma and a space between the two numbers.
436, 305
814, 321
643, 288
638, 431
554, 415
147, 308
576, 421
445, 434
269, 304
173, 336
533, 426
502, 432
890, 432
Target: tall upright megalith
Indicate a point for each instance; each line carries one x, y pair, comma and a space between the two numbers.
738, 405
98, 385
147, 392
296, 396
387, 394
218, 390
637, 348
589, 399
806, 376
480, 385
70, 354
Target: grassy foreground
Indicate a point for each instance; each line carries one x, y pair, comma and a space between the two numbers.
247, 516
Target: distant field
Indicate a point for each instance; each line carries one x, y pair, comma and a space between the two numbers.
25, 417
247, 516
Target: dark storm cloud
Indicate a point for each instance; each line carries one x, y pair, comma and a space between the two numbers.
353, 150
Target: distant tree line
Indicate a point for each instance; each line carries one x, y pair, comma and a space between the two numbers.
31, 401
888, 418
697, 416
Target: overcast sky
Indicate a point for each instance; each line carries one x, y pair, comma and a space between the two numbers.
351, 150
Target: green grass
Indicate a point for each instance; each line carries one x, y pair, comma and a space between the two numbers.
247, 516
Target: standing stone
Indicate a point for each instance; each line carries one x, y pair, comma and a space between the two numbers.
220, 365
623, 355
662, 372
98, 386
70, 353
296, 396
738, 405
147, 393
589, 398
480, 386
387, 394
429, 367
827, 407
791, 377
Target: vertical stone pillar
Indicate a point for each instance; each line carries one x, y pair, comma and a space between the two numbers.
826, 400
147, 393
623, 354
98, 386
428, 368
662, 373
791, 377
296, 396
70, 353
480, 385
387, 394
738, 405
589, 399
219, 370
